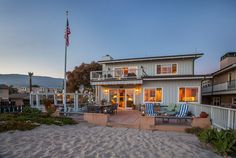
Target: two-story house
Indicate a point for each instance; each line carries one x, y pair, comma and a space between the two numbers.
160, 79
220, 90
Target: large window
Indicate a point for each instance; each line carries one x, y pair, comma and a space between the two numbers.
153, 95
188, 94
166, 69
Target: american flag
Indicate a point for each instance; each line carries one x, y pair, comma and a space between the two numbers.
67, 33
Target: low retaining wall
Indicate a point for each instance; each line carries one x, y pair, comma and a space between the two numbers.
96, 118
146, 122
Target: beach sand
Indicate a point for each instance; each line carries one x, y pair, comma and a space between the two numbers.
86, 140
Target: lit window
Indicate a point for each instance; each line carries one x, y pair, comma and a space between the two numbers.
153, 95
167, 69
188, 94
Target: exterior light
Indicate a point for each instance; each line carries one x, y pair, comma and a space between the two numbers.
106, 90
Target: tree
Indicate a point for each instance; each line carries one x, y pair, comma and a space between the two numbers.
12, 90
81, 75
30, 80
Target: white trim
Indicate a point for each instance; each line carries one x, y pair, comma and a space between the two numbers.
152, 58
174, 78
199, 94
177, 67
162, 94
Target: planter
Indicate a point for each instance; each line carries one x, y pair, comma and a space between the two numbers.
201, 122
96, 118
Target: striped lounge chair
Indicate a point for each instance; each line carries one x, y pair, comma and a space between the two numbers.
183, 111
149, 109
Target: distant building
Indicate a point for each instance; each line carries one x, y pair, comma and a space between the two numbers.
220, 90
4, 92
19, 99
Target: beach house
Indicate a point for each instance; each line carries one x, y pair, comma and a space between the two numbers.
159, 79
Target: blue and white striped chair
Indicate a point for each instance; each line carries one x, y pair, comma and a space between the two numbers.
149, 109
183, 111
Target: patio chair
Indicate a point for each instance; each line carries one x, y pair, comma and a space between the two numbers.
183, 111
149, 109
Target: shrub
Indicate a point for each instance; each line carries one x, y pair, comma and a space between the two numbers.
49, 107
32, 112
194, 130
17, 125
207, 135
223, 142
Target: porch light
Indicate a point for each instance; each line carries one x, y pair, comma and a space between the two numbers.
106, 91
136, 90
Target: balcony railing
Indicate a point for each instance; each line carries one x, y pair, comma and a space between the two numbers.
231, 85
116, 74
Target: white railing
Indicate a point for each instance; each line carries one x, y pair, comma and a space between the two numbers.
220, 87
116, 74
230, 85
223, 118
74, 102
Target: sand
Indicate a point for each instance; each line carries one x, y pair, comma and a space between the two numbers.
86, 140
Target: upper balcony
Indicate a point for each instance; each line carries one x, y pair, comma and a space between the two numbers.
218, 88
118, 74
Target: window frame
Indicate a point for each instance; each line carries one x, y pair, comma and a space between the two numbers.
199, 94
155, 94
161, 64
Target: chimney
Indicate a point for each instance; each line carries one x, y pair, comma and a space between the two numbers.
106, 58
227, 59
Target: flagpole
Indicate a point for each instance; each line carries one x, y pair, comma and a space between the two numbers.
64, 100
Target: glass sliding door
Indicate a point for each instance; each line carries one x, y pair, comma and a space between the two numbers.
113, 96
129, 98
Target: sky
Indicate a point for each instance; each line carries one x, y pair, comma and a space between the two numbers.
32, 32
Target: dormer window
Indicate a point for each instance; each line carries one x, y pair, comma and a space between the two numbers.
166, 69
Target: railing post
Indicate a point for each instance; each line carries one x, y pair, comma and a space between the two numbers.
76, 101
31, 99
54, 98
37, 99
195, 109
229, 119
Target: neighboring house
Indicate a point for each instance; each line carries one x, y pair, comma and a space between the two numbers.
221, 89
4, 92
161, 79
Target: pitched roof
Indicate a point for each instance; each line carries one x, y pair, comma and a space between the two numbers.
193, 56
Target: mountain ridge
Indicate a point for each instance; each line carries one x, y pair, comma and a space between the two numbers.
21, 80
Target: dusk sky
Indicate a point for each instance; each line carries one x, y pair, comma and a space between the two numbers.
32, 32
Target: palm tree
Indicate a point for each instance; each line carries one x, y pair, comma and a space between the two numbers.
30, 80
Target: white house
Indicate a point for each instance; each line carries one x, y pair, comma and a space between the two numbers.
160, 79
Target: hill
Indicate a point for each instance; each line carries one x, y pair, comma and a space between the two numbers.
23, 80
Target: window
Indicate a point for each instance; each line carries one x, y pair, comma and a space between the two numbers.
153, 95
188, 94
166, 69
216, 101
234, 100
